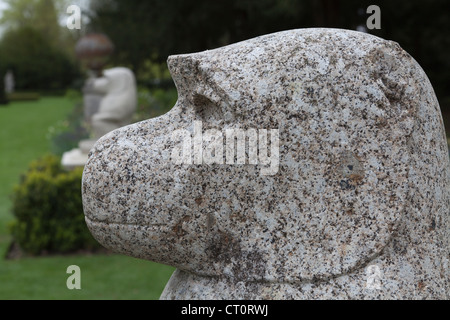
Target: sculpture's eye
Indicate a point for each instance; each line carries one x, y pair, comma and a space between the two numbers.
200, 101
205, 108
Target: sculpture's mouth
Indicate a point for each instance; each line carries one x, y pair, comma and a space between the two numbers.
92, 222
141, 241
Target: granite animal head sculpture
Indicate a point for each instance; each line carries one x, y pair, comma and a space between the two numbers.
362, 177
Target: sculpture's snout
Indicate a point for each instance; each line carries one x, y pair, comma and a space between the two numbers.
134, 212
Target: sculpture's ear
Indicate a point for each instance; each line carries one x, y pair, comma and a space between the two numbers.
351, 166
184, 71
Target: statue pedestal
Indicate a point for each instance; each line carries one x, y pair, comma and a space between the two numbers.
77, 157
86, 145
74, 158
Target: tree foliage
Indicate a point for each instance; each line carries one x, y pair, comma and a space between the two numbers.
154, 29
37, 14
35, 63
36, 47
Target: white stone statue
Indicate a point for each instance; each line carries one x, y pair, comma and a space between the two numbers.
116, 110
119, 103
9, 82
91, 99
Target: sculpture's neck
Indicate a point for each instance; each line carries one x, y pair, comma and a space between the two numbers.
377, 280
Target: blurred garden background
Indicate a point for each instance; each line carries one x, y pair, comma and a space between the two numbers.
42, 231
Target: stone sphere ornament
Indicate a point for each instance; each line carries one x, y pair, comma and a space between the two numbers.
356, 206
94, 49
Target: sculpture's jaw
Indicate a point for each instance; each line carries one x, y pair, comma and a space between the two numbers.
133, 193
135, 240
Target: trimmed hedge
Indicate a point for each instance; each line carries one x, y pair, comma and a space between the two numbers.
48, 208
23, 96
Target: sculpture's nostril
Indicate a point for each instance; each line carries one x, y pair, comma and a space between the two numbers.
200, 101
206, 108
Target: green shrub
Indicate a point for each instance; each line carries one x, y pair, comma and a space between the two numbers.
65, 135
48, 209
23, 96
3, 98
153, 103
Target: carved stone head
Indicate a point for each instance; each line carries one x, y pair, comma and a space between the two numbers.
345, 166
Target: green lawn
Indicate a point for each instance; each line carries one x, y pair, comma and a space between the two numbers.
23, 128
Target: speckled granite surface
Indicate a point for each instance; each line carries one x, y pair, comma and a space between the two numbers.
362, 180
